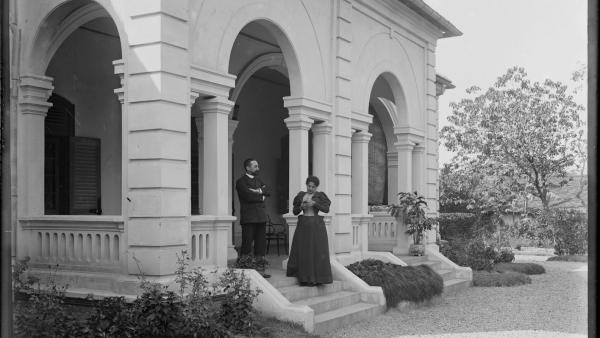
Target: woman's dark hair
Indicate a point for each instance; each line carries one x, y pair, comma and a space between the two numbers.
313, 179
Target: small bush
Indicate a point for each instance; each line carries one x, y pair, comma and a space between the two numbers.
505, 256
526, 268
456, 224
569, 258
570, 231
399, 283
492, 278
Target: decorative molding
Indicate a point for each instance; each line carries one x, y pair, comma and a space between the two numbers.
298, 122
361, 137
218, 105
208, 82
35, 90
73, 222
322, 128
360, 121
313, 109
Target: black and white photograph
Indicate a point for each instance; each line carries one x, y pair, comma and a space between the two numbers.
298, 168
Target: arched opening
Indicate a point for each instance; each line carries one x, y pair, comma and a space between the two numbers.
259, 59
82, 161
381, 102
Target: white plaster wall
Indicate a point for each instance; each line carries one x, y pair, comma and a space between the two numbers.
83, 73
258, 135
302, 28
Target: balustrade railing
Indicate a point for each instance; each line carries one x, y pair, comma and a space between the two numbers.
91, 243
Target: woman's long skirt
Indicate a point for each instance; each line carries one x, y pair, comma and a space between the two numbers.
309, 255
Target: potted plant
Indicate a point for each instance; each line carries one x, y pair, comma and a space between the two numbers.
411, 207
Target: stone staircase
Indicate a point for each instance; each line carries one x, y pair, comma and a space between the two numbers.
335, 305
452, 284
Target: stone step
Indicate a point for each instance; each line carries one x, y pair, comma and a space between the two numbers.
435, 265
282, 281
331, 320
331, 302
446, 274
452, 286
296, 292
412, 260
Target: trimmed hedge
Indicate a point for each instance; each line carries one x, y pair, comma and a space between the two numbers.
569, 258
400, 283
526, 268
509, 278
457, 224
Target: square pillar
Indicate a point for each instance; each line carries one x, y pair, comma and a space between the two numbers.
405, 167
157, 106
34, 92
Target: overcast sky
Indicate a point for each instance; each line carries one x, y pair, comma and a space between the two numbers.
546, 37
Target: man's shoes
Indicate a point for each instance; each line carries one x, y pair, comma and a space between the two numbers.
265, 275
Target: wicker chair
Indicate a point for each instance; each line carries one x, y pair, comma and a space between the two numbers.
277, 232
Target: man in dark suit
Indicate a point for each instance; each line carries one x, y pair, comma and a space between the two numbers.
253, 215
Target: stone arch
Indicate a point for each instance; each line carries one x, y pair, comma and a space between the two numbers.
386, 57
58, 24
272, 60
289, 24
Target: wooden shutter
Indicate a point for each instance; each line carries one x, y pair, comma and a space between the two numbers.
84, 169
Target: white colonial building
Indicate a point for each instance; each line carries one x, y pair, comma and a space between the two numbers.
130, 120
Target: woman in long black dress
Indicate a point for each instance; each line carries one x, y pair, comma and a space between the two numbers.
309, 255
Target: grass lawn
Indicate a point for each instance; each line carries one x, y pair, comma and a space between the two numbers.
569, 258
493, 278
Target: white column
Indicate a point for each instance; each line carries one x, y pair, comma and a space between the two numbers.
199, 120
322, 168
405, 167
404, 185
392, 163
216, 156
231, 253
360, 172
34, 92
321, 154
418, 170
298, 126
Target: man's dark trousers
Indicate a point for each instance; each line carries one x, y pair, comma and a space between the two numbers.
254, 232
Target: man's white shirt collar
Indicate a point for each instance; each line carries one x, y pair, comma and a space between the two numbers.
249, 175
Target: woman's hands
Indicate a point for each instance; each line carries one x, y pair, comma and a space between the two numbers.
307, 204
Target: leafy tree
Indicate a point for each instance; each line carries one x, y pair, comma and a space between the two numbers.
518, 136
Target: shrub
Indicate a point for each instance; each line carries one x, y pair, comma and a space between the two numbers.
492, 278
473, 253
456, 224
399, 283
157, 312
570, 231
505, 255
526, 268
569, 258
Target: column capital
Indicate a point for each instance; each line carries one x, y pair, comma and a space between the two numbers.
34, 93
216, 105
119, 69
405, 146
323, 128
314, 109
361, 137
298, 122
419, 148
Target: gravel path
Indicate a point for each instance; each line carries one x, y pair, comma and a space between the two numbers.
553, 305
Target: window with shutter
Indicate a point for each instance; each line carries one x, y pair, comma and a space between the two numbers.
84, 175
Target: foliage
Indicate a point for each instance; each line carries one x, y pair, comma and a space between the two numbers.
492, 278
457, 224
518, 135
566, 230
399, 283
570, 231
474, 253
505, 255
157, 312
526, 268
42, 313
412, 208
569, 258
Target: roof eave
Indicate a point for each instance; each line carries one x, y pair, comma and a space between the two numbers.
420, 7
